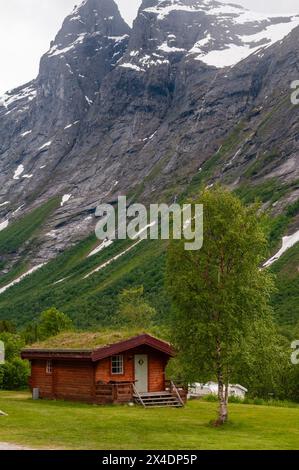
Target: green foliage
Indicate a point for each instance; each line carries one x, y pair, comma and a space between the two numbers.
92, 301
255, 401
271, 402
13, 344
7, 326
219, 292
285, 300
52, 322
210, 165
14, 374
293, 209
293, 381
30, 333
17, 269
263, 363
134, 311
267, 160
210, 398
21, 235
277, 226
176, 367
16, 234
270, 190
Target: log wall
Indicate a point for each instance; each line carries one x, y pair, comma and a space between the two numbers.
156, 369
70, 380
80, 380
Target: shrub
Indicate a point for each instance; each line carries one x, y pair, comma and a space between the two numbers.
14, 374
211, 398
13, 344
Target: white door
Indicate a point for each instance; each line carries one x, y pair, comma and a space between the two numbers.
141, 372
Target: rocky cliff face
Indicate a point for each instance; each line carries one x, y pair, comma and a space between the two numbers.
194, 85
40, 122
169, 99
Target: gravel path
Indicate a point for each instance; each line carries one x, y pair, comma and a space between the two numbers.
5, 446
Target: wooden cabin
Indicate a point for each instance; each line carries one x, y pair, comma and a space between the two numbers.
126, 371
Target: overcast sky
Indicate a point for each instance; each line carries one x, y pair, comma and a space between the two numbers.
27, 27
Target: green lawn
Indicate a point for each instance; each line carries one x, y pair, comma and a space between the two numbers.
46, 424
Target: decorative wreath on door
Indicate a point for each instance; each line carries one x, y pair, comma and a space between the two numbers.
141, 362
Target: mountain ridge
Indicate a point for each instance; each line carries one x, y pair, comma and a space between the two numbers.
143, 112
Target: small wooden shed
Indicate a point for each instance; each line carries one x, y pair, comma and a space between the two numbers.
133, 369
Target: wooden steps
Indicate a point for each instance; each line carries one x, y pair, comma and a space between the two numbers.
157, 400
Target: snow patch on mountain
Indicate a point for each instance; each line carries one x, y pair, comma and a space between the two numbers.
226, 33
46, 145
165, 7
128, 65
287, 243
58, 49
18, 209
27, 93
102, 246
118, 39
20, 278
65, 199
233, 53
18, 172
104, 265
4, 225
89, 101
71, 125
166, 48
25, 133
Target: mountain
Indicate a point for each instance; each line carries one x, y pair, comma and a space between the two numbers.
196, 92
209, 31
40, 122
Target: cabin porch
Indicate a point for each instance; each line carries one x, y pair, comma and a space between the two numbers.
127, 392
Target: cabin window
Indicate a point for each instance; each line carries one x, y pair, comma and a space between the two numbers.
49, 367
117, 365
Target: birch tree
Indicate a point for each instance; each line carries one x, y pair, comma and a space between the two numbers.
218, 292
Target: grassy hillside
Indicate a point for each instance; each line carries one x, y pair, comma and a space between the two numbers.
91, 301
15, 235
286, 299
79, 426
20, 237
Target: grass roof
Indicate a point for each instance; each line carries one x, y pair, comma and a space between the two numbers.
86, 340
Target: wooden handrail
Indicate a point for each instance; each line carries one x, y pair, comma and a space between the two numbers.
173, 386
138, 395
